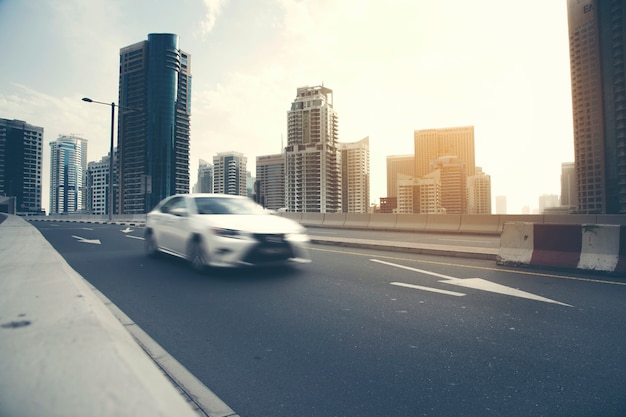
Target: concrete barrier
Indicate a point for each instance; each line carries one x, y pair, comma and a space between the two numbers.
384, 221
557, 245
480, 223
62, 352
603, 248
516, 244
334, 219
411, 222
448, 223
590, 247
357, 220
312, 219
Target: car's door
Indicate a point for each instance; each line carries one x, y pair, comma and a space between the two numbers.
172, 217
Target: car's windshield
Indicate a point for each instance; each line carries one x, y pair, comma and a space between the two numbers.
225, 205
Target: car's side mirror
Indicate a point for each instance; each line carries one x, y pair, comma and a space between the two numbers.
179, 211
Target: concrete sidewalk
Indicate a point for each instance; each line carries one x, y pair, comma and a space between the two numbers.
62, 351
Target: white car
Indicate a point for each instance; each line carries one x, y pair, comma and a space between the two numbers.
224, 231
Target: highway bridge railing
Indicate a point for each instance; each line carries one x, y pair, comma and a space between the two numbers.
428, 223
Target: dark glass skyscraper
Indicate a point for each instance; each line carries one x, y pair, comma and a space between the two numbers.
597, 41
21, 150
154, 120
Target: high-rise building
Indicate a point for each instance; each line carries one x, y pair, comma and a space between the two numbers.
547, 201
68, 165
432, 144
97, 186
569, 191
229, 173
154, 122
479, 193
398, 164
270, 180
597, 42
453, 177
355, 176
205, 178
21, 153
312, 157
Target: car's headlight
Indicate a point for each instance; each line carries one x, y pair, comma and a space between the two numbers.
229, 233
297, 237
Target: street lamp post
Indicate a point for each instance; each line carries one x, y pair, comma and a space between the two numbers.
111, 159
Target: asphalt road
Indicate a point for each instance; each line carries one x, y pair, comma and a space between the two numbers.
370, 333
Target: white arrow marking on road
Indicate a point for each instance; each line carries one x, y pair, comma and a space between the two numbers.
127, 230
419, 287
83, 240
476, 283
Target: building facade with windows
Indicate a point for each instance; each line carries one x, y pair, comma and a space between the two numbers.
205, 178
597, 42
21, 156
154, 122
229, 173
68, 166
479, 193
355, 176
97, 185
312, 156
270, 181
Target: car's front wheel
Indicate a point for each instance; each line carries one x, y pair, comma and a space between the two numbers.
150, 244
196, 255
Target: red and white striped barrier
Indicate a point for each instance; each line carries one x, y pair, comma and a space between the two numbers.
595, 247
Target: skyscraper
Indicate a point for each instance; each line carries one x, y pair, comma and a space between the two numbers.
97, 185
434, 143
569, 191
479, 193
205, 178
398, 164
312, 157
229, 173
21, 153
453, 180
154, 122
597, 42
355, 176
68, 166
270, 178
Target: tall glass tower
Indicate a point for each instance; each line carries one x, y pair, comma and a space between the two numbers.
68, 164
21, 150
154, 120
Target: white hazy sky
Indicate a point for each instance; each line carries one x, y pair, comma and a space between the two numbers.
394, 66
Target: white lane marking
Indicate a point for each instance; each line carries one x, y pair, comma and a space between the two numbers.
87, 228
419, 287
127, 230
478, 284
83, 240
135, 237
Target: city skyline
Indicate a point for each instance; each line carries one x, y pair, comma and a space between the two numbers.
502, 68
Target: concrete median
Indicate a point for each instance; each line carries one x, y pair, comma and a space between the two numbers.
588, 247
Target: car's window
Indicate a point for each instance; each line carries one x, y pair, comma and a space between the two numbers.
225, 205
175, 202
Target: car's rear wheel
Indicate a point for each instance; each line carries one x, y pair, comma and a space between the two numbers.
150, 244
198, 259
